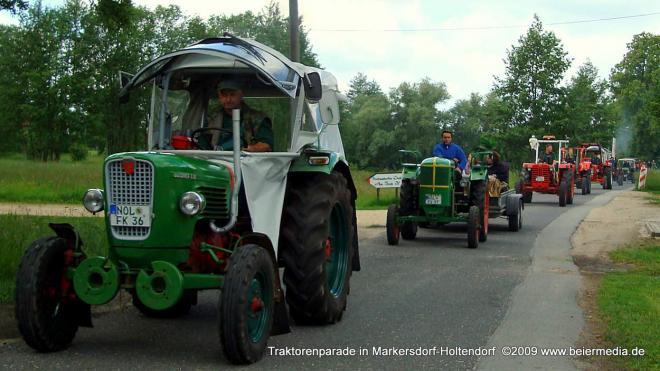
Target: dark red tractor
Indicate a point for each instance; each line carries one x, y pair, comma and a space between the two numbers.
594, 165
551, 172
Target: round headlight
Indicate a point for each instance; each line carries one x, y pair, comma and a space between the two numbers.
93, 200
192, 203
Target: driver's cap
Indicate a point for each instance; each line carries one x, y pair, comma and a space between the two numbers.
229, 83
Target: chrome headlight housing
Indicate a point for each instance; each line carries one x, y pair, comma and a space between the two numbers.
192, 203
93, 200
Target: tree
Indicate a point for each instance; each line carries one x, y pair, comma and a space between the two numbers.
636, 85
531, 86
415, 114
466, 120
589, 108
14, 6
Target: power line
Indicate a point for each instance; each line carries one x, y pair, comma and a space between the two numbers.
435, 29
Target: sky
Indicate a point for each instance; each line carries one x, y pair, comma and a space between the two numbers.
459, 43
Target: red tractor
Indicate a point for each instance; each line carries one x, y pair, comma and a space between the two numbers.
594, 165
551, 172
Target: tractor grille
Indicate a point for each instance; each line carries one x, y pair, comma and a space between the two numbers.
543, 171
130, 190
216, 202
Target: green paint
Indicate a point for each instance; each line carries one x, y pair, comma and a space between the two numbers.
336, 264
202, 281
162, 288
258, 307
301, 164
96, 280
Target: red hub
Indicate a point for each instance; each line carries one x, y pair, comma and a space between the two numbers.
256, 305
328, 249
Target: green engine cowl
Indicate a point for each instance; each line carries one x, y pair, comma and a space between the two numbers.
436, 185
142, 195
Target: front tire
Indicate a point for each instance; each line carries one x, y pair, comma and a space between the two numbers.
409, 230
481, 199
563, 193
392, 226
246, 305
473, 227
47, 317
585, 185
317, 247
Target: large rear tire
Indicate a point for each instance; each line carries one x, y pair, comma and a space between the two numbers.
246, 305
317, 247
47, 317
473, 227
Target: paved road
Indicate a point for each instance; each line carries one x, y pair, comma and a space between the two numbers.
431, 292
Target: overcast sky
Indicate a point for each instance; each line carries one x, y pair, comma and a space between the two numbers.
461, 55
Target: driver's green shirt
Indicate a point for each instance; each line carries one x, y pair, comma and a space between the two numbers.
255, 127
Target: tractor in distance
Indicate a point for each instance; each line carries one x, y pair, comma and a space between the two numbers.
593, 165
434, 192
187, 215
625, 170
550, 173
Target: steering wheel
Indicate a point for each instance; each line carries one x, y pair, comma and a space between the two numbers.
202, 142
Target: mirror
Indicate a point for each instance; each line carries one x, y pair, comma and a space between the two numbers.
124, 79
313, 87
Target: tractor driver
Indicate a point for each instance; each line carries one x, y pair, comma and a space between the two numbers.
256, 127
548, 156
450, 151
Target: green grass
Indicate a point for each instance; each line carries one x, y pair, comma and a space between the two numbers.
630, 304
64, 181
19, 231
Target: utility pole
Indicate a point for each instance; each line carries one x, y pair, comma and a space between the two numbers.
293, 31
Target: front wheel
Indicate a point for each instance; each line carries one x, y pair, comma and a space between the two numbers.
46, 310
409, 230
246, 305
392, 226
473, 227
563, 193
585, 185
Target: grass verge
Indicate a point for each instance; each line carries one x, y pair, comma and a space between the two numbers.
64, 181
19, 231
630, 304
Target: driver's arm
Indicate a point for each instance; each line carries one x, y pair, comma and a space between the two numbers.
263, 137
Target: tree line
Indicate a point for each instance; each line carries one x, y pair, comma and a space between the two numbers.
58, 70
531, 98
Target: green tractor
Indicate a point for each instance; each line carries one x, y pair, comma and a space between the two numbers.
186, 216
433, 192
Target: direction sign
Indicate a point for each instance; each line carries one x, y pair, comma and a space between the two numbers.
386, 180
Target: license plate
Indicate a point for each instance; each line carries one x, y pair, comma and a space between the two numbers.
433, 199
130, 216
540, 178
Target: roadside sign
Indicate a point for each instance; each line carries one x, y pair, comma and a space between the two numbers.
385, 180
642, 177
